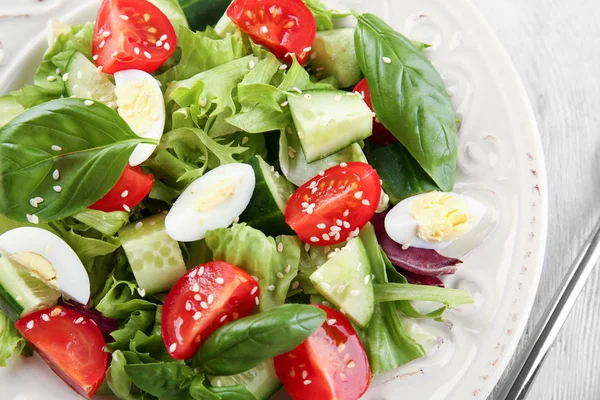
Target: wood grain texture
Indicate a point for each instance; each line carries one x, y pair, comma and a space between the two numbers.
555, 46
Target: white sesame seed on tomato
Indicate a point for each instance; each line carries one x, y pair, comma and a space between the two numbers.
197, 315
331, 321
220, 280
173, 347
201, 271
30, 324
204, 305
254, 289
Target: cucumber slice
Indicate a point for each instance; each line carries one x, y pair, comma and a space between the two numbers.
261, 380
335, 56
86, 82
295, 167
155, 258
345, 280
266, 209
328, 121
20, 292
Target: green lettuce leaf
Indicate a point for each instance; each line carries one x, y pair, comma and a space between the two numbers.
9, 109
11, 343
122, 299
200, 52
323, 16
79, 38
259, 255
139, 320
173, 11
105, 223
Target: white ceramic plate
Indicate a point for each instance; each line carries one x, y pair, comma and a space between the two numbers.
500, 163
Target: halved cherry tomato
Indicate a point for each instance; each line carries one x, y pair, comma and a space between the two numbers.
283, 26
131, 188
380, 133
132, 34
204, 299
334, 206
330, 365
71, 344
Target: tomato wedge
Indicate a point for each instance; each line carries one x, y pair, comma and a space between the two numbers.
204, 299
132, 34
131, 188
71, 344
330, 365
380, 133
335, 205
284, 27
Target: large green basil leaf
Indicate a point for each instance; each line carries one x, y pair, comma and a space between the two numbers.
245, 343
409, 97
401, 174
163, 380
89, 146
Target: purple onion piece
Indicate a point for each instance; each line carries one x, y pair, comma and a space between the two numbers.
106, 325
424, 262
421, 280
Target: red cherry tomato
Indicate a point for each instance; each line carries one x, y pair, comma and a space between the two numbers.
132, 34
283, 26
131, 188
71, 344
330, 365
204, 299
380, 133
334, 206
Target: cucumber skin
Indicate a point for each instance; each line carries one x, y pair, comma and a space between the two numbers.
263, 212
9, 305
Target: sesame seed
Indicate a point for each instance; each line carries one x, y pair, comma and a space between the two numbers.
102, 43
146, 17
252, 64
141, 292
307, 96
254, 289
188, 306
95, 57
55, 312
88, 103
355, 292
287, 269
343, 165
366, 202
314, 239
351, 364
366, 280
304, 374
203, 305
33, 219
124, 17
223, 318
33, 203
30, 324
196, 288
65, 77
245, 140
136, 50
264, 29
114, 54
326, 285
173, 347
335, 229
341, 347
197, 297
125, 193
106, 34
358, 195
159, 43
306, 247
201, 271
386, 60
139, 225
307, 382
285, 103
271, 288
147, 55
256, 300
57, 71
220, 280
283, 67
307, 49
164, 37
197, 315
280, 247
51, 78
295, 285
297, 89
167, 46
126, 208
321, 173
325, 236
280, 275
331, 321
79, 320
45, 317
254, 277
210, 299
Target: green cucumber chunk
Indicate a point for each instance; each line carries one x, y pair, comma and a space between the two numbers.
345, 280
266, 209
84, 81
334, 55
298, 171
155, 258
20, 292
261, 380
328, 121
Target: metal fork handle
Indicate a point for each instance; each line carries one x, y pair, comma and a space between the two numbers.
521, 375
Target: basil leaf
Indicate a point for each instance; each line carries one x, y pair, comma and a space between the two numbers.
201, 13
245, 343
89, 145
409, 97
402, 176
163, 380
238, 392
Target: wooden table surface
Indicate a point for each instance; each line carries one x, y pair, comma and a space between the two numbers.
555, 45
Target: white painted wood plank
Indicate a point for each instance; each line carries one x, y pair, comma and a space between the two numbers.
555, 46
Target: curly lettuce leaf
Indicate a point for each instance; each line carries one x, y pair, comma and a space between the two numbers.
324, 16
259, 255
11, 343
173, 11
121, 300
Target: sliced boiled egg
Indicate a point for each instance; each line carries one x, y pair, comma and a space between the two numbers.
212, 201
433, 220
140, 103
50, 259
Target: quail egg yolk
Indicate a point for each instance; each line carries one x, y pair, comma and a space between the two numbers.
139, 105
215, 195
440, 217
38, 266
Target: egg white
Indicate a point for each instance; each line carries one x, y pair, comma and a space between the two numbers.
401, 226
143, 151
185, 223
73, 279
